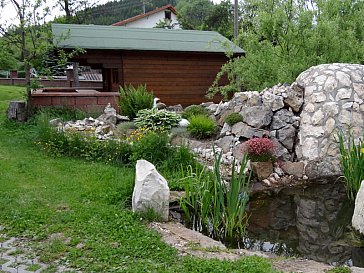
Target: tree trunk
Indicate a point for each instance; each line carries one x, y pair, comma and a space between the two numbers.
17, 111
76, 81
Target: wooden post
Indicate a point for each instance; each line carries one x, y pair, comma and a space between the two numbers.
17, 111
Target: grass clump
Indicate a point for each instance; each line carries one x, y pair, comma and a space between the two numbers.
233, 118
157, 120
352, 162
201, 127
211, 201
194, 110
134, 99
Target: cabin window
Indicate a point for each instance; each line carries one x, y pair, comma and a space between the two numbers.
115, 75
167, 14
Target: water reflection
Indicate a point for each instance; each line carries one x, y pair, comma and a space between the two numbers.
311, 222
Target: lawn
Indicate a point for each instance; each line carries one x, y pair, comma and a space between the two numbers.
87, 205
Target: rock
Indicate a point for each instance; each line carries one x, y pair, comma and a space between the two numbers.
225, 143
319, 168
286, 136
257, 116
262, 169
183, 123
151, 190
272, 101
293, 168
358, 216
225, 130
109, 110
281, 119
121, 118
295, 97
175, 108
108, 118
56, 122
280, 151
240, 129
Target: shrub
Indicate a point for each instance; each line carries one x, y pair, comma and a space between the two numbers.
132, 100
233, 118
259, 149
157, 120
201, 127
153, 147
352, 162
211, 201
194, 110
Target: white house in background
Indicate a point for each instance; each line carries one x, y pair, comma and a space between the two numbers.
165, 14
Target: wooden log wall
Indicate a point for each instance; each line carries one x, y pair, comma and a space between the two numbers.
174, 77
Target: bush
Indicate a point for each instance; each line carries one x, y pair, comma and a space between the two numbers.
194, 110
132, 100
201, 127
233, 118
352, 162
259, 149
153, 147
157, 120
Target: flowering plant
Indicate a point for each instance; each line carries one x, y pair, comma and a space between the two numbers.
260, 149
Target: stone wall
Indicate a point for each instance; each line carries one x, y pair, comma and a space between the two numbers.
303, 118
333, 101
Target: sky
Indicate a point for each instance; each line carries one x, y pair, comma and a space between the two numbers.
7, 14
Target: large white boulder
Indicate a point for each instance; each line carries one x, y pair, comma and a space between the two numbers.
151, 190
358, 216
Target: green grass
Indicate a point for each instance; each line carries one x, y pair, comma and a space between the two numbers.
89, 205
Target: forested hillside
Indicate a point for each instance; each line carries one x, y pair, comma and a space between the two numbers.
116, 11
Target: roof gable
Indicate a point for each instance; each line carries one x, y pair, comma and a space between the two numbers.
119, 38
143, 15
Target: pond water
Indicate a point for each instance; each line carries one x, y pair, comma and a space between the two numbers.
304, 221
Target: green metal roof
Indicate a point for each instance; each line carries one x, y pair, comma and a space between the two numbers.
116, 37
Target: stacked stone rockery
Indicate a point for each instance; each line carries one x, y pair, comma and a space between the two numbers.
302, 119
102, 128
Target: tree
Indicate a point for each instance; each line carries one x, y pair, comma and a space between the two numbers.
28, 32
76, 11
7, 59
221, 19
282, 38
192, 13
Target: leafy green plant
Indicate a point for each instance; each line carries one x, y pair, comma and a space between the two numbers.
153, 147
212, 201
194, 110
352, 162
134, 99
233, 118
157, 120
201, 127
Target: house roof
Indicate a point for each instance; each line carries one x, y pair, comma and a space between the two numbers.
140, 16
154, 39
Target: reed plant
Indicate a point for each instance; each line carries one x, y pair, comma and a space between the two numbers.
352, 163
215, 205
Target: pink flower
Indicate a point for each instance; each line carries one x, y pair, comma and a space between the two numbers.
260, 149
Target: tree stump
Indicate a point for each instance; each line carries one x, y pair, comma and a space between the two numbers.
17, 111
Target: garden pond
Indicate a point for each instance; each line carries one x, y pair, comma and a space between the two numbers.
310, 221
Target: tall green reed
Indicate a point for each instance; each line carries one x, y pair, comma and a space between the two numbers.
215, 205
352, 163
